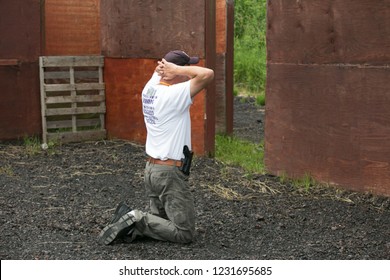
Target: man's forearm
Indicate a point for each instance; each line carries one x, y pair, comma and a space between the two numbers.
190, 71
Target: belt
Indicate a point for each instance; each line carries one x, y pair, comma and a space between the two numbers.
170, 162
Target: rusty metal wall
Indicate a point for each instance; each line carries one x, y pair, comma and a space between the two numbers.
140, 30
69, 28
72, 27
135, 34
327, 111
150, 28
224, 66
20, 46
339, 31
125, 79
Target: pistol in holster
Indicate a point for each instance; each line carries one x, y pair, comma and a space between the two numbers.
186, 161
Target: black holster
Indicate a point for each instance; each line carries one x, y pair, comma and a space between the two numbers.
186, 161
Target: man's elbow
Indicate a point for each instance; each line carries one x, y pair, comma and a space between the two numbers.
209, 75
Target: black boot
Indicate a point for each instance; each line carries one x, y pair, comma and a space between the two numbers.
120, 210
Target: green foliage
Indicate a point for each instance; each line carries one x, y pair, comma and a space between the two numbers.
32, 145
260, 99
245, 154
250, 52
305, 182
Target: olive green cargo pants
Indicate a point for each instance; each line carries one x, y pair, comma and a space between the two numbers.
172, 213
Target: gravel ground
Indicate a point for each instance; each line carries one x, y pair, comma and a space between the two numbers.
54, 204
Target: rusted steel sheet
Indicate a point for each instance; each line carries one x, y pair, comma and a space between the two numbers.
338, 31
72, 27
140, 32
229, 73
328, 92
20, 30
220, 91
210, 62
20, 113
331, 123
221, 26
20, 46
151, 28
224, 66
125, 79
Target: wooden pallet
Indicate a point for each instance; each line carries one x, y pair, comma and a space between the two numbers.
72, 98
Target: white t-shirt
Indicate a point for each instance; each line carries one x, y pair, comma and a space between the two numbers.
167, 118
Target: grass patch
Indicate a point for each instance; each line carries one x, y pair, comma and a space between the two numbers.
250, 156
237, 152
33, 146
305, 183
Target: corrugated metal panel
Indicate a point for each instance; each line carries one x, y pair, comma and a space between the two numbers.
150, 28
72, 27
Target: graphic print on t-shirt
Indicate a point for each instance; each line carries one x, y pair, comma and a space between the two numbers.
148, 99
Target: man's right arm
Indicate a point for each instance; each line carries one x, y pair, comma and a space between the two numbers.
200, 76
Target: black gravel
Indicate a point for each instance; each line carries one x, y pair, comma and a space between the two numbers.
55, 202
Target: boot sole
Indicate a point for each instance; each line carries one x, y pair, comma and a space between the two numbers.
113, 231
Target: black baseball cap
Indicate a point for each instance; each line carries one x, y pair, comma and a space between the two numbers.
181, 58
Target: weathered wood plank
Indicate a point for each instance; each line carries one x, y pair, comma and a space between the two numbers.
74, 87
76, 111
74, 99
42, 98
72, 61
68, 123
49, 75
